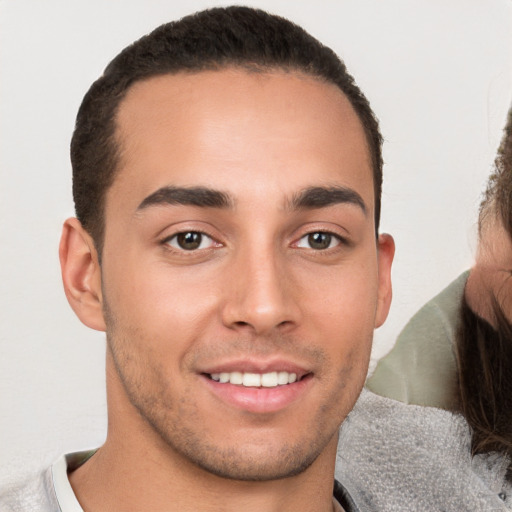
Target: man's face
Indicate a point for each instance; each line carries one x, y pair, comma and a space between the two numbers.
240, 270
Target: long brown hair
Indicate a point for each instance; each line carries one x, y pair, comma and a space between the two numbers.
485, 379
484, 351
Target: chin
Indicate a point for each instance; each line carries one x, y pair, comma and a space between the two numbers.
235, 464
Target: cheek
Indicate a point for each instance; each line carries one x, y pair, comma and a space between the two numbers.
341, 308
166, 307
344, 299
486, 284
500, 284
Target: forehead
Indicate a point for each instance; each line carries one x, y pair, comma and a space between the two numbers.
237, 130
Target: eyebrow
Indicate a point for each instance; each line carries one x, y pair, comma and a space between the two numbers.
321, 197
203, 197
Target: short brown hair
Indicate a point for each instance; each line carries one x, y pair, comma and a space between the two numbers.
211, 39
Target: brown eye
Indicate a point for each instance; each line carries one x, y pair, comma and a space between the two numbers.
190, 241
319, 241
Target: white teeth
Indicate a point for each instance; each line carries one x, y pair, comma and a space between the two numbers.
236, 378
252, 380
282, 378
255, 380
269, 380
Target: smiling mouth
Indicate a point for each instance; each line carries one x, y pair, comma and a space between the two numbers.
255, 380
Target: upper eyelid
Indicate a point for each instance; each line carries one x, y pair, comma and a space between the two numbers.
325, 226
167, 239
339, 232
175, 230
182, 231
343, 237
205, 233
340, 238
180, 251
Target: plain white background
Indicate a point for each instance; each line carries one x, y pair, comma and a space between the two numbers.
438, 74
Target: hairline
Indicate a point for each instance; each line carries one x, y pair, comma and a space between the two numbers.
248, 67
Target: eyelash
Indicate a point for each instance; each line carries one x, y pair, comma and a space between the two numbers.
332, 237
168, 241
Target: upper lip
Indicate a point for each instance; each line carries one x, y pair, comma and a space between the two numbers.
250, 365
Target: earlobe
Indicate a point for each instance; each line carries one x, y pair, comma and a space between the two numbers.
386, 252
81, 274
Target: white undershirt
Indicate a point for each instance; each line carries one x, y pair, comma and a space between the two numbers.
63, 490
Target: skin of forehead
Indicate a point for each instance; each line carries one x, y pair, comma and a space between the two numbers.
143, 92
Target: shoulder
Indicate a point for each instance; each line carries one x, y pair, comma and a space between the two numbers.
394, 456
421, 368
35, 494
395, 423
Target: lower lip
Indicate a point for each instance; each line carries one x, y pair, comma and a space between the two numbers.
259, 400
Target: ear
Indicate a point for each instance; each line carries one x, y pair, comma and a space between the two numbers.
81, 274
386, 252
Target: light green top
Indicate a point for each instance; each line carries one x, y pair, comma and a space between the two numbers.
421, 368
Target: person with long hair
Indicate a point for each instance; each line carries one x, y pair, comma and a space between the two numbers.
441, 438
484, 340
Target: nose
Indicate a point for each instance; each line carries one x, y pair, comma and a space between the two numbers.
261, 296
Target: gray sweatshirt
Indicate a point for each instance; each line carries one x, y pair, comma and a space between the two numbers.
406, 458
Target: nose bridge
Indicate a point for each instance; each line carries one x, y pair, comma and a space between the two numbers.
259, 295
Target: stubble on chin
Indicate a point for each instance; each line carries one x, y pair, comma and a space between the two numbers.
180, 424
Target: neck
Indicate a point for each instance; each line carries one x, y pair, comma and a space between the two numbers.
117, 478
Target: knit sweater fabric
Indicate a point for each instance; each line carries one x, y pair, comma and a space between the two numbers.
405, 458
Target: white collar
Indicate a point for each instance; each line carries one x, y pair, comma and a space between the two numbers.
63, 490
